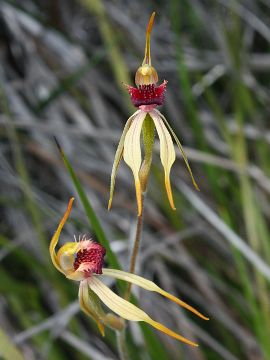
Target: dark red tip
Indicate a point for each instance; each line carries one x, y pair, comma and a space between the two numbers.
147, 94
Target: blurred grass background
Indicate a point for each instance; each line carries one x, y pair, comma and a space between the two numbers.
61, 74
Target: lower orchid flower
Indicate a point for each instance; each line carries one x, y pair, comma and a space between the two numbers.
146, 97
83, 261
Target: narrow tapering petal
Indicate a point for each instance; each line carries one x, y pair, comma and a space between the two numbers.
56, 235
150, 286
128, 311
95, 312
167, 152
132, 153
118, 156
171, 333
180, 148
120, 306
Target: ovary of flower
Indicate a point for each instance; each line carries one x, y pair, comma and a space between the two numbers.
83, 261
146, 97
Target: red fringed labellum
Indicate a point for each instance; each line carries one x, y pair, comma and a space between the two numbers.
90, 258
147, 94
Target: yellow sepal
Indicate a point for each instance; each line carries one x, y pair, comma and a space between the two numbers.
56, 235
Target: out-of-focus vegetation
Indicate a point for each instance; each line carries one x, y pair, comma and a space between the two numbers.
61, 73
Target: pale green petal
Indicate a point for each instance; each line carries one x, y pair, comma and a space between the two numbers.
180, 148
56, 235
132, 153
167, 152
128, 311
118, 157
150, 286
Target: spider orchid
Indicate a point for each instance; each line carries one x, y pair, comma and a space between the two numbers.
83, 261
147, 96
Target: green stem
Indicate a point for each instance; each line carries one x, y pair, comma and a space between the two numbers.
122, 350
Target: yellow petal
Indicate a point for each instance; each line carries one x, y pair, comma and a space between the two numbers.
132, 153
118, 156
180, 148
167, 152
128, 311
149, 285
95, 312
56, 235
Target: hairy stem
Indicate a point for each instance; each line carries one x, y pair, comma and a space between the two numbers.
121, 345
136, 247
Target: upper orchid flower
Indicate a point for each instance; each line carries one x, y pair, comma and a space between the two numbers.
147, 96
83, 261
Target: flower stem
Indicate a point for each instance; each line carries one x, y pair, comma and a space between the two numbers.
121, 345
148, 139
136, 247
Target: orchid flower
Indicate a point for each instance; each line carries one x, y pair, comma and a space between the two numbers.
146, 97
83, 261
